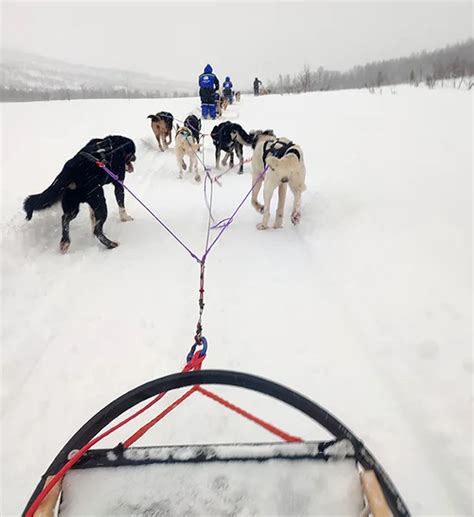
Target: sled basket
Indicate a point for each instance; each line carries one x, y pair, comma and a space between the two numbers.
307, 478
336, 477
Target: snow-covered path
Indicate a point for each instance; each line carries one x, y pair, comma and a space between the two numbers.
365, 307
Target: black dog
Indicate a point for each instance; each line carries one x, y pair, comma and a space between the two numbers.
230, 137
193, 123
81, 181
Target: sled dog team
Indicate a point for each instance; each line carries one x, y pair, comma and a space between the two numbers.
82, 177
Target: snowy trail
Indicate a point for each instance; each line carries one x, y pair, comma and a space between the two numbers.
364, 307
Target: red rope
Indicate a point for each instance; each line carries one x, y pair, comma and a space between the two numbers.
195, 362
135, 436
269, 427
78, 455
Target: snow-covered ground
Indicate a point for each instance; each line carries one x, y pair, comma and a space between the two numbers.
365, 307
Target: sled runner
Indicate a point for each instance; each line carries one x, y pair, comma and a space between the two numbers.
336, 477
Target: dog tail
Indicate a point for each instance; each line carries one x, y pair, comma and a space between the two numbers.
48, 197
243, 137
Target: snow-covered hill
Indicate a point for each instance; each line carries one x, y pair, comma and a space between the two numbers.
364, 307
29, 71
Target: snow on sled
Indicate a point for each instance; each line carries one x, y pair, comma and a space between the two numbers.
304, 478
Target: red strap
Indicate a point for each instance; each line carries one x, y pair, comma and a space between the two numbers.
269, 427
135, 436
195, 363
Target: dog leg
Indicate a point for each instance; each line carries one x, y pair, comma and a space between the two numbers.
159, 142
282, 189
65, 240
296, 212
70, 205
99, 206
194, 164
258, 207
92, 217
218, 157
124, 217
239, 151
181, 163
268, 189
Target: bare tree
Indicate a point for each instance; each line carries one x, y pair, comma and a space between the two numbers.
305, 79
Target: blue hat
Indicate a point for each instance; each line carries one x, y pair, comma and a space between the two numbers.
208, 69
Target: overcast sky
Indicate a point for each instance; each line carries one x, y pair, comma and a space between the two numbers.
243, 40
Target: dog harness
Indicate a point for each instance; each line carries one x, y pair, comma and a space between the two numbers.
187, 133
166, 117
278, 149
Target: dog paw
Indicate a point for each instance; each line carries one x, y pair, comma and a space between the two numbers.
277, 226
261, 226
111, 245
295, 217
64, 246
125, 217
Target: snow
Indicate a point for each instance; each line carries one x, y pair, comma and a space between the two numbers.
340, 449
365, 307
303, 488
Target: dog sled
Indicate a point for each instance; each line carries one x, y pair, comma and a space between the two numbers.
290, 477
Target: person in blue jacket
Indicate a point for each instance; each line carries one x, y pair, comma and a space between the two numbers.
227, 90
208, 86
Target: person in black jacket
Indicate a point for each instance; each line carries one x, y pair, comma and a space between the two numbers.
256, 86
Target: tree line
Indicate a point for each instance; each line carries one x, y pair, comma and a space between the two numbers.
47, 94
454, 62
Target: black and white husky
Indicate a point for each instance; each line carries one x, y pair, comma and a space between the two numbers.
230, 137
186, 144
193, 123
284, 165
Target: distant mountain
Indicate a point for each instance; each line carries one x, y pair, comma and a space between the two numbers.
30, 75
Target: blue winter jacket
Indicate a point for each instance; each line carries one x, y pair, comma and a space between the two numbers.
208, 80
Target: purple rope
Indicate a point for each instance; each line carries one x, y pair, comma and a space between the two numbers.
223, 225
116, 178
227, 222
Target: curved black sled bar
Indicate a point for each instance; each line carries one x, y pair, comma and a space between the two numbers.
228, 378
